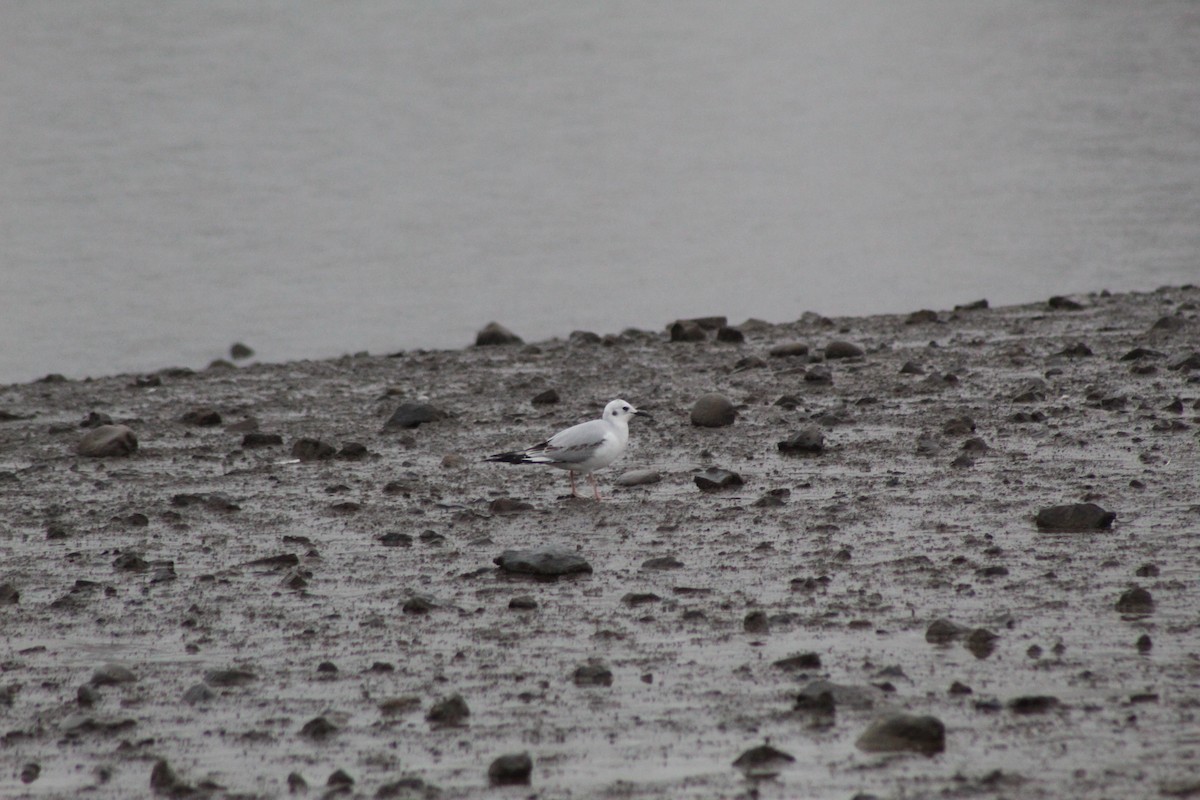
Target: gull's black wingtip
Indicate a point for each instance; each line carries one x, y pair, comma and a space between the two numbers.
508, 458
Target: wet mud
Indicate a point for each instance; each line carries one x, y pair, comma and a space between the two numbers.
276, 592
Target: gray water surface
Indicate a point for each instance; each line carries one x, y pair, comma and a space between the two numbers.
318, 178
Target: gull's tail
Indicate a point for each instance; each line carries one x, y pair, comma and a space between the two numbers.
515, 457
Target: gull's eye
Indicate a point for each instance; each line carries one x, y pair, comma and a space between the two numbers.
626, 408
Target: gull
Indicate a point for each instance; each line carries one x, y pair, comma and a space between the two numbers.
582, 448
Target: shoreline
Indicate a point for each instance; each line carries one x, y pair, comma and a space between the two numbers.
352, 579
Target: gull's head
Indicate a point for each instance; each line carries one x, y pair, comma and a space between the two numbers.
621, 411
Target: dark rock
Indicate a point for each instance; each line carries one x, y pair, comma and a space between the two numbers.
639, 598
86, 696
279, 562
1185, 363
775, 498
686, 331
417, 605
943, 631
1168, 324
730, 335
1033, 704
1061, 303
756, 622
958, 688
546, 398
592, 674
981, 642
963, 461
749, 362
856, 697
408, 788
494, 334
715, 479
975, 445
318, 728
1075, 517
396, 539
411, 415
449, 712
1135, 601
163, 781
549, 561
513, 769
1144, 571
585, 337
112, 675
922, 317
713, 411
508, 505
912, 368
523, 603
798, 662
1144, 643
313, 450
958, 426
108, 441
1139, 353
95, 419
339, 778
202, 417
993, 571
1077, 350
977, 305
239, 351
256, 439
229, 677
353, 451
30, 772
9, 596
809, 440
904, 733
788, 350
662, 562
818, 374
763, 762
198, 693
709, 323
638, 477
296, 783
842, 349
1031, 391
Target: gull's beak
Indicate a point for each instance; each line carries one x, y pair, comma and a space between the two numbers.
637, 413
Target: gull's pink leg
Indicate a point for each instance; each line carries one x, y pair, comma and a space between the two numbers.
573, 492
595, 486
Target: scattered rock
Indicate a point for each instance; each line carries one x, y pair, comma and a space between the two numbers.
9, 596
855, 697
943, 631
202, 417
715, 479
396, 539
662, 562
112, 675
449, 712
312, 450
318, 728
163, 781
958, 426
550, 561
229, 677
523, 603
30, 772
774, 498
1033, 704
546, 398
686, 331
1075, 517
818, 373
198, 693
842, 349
788, 350
240, 352
255, 439
510, 770
593, 673
1060, 303
713, 411
108, 441
763, 762
638, 477
904, 733
756, 622
922, 317
798, 662
353, 451
809, 440
1032, 390
981, 642
95, 419
1135, 601
412, 415
509, 505
494, 334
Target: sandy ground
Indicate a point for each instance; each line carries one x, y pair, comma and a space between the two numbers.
329, 655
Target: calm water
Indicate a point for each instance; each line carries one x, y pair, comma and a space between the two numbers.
316, 178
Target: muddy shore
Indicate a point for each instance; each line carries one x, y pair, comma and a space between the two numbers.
271, 618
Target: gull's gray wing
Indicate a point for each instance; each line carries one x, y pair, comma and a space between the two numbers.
575, 444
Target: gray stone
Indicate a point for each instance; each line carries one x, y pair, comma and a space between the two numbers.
550, 561
788, 350
714, 479
1135, 601
763, 761
842, 349
638, 477
848, 696
108, 441
593, 673
494, 334
513, 769
313, 450
198, 693
904, 733
411, 415
943, 631
112, 675
686, 331
662, 562
1075, 517
713, 411
449, 712
809, 440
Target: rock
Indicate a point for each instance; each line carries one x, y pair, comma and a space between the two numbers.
508, 505
756, 622
1135, 601
809, 440
417, 605
163, 781
958, 426
396, 539
203, 417
662, 562
546, 398
549, 561
912, 368
1075, 517
239, 351
198, 693
95, 419
494, 334
130, 562
352, 451
511, 770
229, 677
1033, 704
774, 498
108, 441
715, 479
798, 662
1060, 303
86, 696
411, 415
922, 317
686, 331
256, 439
788, 350
818, 374
639, 598
1185, 363
856, 697
730, 335
749, 362
593, 673
1031, 391
943, 631
1077, 350
713, 411
904, 733
1144, 644
318, 728
638, 477
523, 603
981, 642
9, 596
763, 762
296, 783
585, 337
408, 788
112, 675
1139, 353
449, 712
339, 778
313, 450
842, 349
977, 305
30, 772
